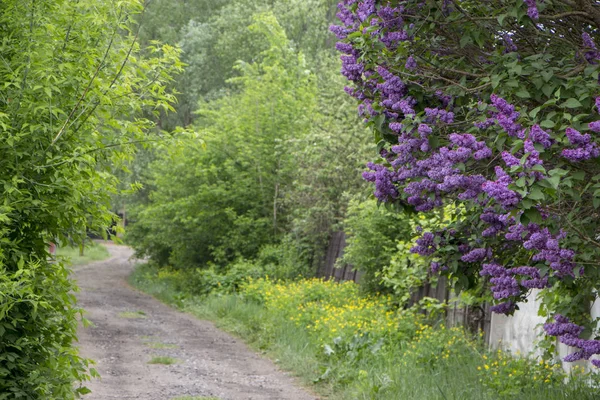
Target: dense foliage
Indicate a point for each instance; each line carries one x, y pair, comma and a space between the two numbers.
269, 182
73, 83
213, 35
490, 105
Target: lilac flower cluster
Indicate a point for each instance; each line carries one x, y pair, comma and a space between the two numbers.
437, 267
585, 148
499, 191
426, 245
505, 282
532, 9
568, 333
476, 255
509, 45
384, 181
591, 54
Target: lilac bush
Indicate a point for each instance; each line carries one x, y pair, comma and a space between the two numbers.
491, 105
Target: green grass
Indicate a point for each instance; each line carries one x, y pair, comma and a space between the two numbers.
92, 252
396, 371
132, 315
159, 346
163, 360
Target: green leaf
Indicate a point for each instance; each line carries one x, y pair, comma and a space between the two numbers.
554, 181
533, 215
533, 113
547, 123
571, 103
536, 194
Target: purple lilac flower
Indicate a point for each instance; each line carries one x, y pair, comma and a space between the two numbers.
532, 9
592, 54
476, 255
424, 130
444, 98
495, 221
411, 63
351, 68
585, 148
504, 308
509, 45
506, 117
437, 267
538, 135
594, 126
437, 114
425, 245
568, 333
509, 159
384, 181
499, 191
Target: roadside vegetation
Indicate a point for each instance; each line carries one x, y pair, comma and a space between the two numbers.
484, 175
92, 252
348, 345
224, 133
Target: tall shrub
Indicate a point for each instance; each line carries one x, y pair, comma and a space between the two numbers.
491, 105
73, 84
227, 200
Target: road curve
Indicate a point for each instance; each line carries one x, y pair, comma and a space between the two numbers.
130, 328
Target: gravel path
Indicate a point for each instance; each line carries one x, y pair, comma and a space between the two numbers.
130, 328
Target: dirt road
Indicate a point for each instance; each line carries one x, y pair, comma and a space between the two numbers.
131, 328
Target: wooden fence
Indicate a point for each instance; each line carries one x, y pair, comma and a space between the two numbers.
475, 318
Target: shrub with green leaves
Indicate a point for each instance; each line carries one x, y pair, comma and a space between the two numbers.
373, 233
74, 88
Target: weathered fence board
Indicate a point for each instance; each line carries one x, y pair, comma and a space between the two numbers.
475, 318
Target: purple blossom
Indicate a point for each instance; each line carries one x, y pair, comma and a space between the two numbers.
509, 159
424, 130
532, 9
425, 245
499, 191
568, 333
384, 181
509, 45
538, 135
594, 126
351, 68
592, 54
475, 255
504, 308
444, 98
411, 63
585, 148
437, 267
507, 117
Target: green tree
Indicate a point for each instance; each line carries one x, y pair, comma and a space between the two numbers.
228, 201
73, 88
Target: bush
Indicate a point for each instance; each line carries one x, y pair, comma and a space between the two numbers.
373, 233
37, 326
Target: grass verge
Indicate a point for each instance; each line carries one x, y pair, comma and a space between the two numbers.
92, 252
132, 315
165, 360
348, 347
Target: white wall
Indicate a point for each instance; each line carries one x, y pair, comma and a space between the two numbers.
520, 332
